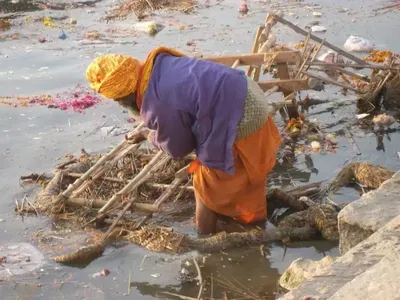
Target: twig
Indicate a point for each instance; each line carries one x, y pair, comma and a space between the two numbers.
157, 161
200, 277
129, 283
352, 142
179, 296
354, 66
67, 163
212, 287
30, 203
94, 168
304, 63
328, 80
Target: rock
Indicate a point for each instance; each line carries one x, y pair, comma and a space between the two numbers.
357, 268
19, 259
303, 269
361, 218
367, 286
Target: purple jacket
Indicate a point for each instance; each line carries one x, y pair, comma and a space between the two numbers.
195, 105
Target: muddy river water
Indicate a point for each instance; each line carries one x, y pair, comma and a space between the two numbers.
32, 139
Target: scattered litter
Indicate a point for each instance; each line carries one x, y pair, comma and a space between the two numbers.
104, 272
92, 35
62, 36
317, 14
43, 69
184, 271
2, 220
362, 116
318, 29
48, 22
243, 7
315, 146
73, 21
332, 138
358, 44
150, 27
378, 56
42, 40
4, 25
79, 99
383, 120
156, 275
330, 57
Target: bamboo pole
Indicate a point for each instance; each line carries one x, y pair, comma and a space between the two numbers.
319, 40
104, 170
354, 66
255, 48
157, 162
72, 187
236, 64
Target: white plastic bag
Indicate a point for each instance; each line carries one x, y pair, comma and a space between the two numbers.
358, 44
317, 28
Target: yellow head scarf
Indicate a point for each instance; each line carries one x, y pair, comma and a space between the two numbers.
114, 76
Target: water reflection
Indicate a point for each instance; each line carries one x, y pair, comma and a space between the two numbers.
223, 272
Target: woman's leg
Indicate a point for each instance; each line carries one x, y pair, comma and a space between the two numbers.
206, 219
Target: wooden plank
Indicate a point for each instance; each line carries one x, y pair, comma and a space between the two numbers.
285, 84
257, 59
283, 74
319, 40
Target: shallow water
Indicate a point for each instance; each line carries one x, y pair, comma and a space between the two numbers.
32, 139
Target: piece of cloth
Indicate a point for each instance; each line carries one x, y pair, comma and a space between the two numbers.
242, 196
147, 70
114, 76
195, 104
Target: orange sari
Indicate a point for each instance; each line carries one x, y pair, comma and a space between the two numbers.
241, 196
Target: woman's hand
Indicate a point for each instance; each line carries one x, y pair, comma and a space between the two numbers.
138, 136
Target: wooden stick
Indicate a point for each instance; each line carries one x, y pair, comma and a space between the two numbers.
158, 161
72, 187
328, 80
236, 64
255, 48
97, 203
257, 58
352, 142
285, 84
166, 186
112, 179
200, 277
180, 176
304, 63
105, 169
354, 66
319, 40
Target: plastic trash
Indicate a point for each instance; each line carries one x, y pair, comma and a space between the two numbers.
62, 36
358, 44
42, 40
318, 29
243, 7
150, 27
317, 14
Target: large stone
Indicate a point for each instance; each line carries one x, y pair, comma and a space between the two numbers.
302, 269
380, 281
343, 272
360, 219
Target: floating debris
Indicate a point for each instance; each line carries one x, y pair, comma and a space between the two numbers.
48, 22
358, 44
79, 100
378, 56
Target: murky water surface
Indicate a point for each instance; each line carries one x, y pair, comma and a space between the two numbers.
32, 139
